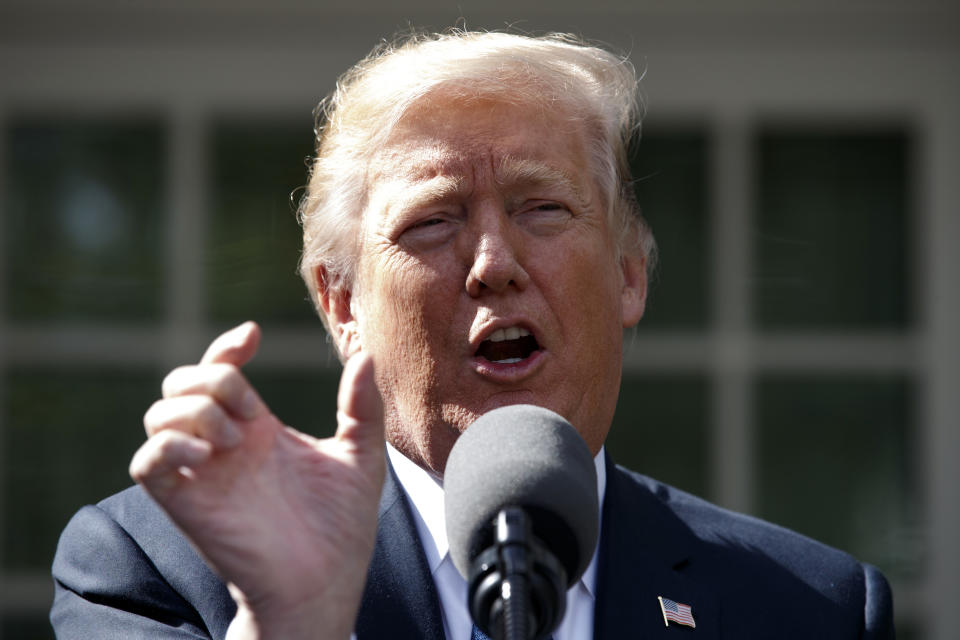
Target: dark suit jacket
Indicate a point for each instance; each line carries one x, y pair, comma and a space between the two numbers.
122, 570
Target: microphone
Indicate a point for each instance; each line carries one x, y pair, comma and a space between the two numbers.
522, 518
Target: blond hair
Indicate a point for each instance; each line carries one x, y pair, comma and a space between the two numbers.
556, 71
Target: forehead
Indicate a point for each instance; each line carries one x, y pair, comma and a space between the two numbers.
456, 138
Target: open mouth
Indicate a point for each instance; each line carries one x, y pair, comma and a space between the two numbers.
507, 346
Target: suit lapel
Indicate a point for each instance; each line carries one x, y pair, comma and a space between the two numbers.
645, 551
400, 599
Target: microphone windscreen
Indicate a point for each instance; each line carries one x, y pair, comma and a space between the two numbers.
530, 457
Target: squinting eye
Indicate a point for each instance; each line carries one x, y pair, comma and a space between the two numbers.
549, 210
428, 223
550, 207
544, 218
427, 233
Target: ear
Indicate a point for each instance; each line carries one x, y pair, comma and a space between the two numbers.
336, 301
633, 297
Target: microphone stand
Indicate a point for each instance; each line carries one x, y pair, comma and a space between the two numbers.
517, 588
512, 541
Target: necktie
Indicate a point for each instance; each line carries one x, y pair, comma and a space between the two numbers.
478, 635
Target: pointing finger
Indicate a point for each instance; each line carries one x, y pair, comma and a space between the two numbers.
158, 462
224, 382
197, 416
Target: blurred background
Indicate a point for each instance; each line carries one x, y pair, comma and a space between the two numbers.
799, 166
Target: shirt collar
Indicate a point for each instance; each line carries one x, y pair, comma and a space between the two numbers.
425, 492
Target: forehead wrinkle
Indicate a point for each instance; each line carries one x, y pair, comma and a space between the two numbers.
513, 170
435, 172
422, 165
409, 178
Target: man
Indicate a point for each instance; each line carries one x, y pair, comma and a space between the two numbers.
470, 241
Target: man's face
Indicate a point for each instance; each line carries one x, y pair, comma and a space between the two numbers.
488, 275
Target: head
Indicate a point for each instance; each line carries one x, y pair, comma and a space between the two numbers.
469, 187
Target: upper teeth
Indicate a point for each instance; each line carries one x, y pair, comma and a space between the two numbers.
510, 333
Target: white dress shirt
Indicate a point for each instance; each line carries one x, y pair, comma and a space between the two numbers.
425, 493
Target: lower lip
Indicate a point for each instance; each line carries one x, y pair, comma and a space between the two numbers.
509, 372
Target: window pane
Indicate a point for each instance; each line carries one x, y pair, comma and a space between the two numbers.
835, 462
660, 429
83, 221
27, 627
832, 233
254, 240
909, 631
670, 169
304, 399
68, 439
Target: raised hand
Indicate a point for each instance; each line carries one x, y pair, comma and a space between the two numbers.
288, 520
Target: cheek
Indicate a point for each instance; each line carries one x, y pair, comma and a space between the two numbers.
410, 311
590, 311
591, 282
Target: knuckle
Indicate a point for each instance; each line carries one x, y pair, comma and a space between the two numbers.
208, 414
151, 419
173, 382
163, 444
137, 468
226, 381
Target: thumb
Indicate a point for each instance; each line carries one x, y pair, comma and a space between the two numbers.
359, 406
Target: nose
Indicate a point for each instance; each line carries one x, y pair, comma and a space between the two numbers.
496, 261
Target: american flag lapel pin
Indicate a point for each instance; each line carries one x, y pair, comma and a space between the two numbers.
679, 613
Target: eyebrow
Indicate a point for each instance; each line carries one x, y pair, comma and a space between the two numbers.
513, 170
423, 192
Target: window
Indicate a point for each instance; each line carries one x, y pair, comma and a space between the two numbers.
84, 221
